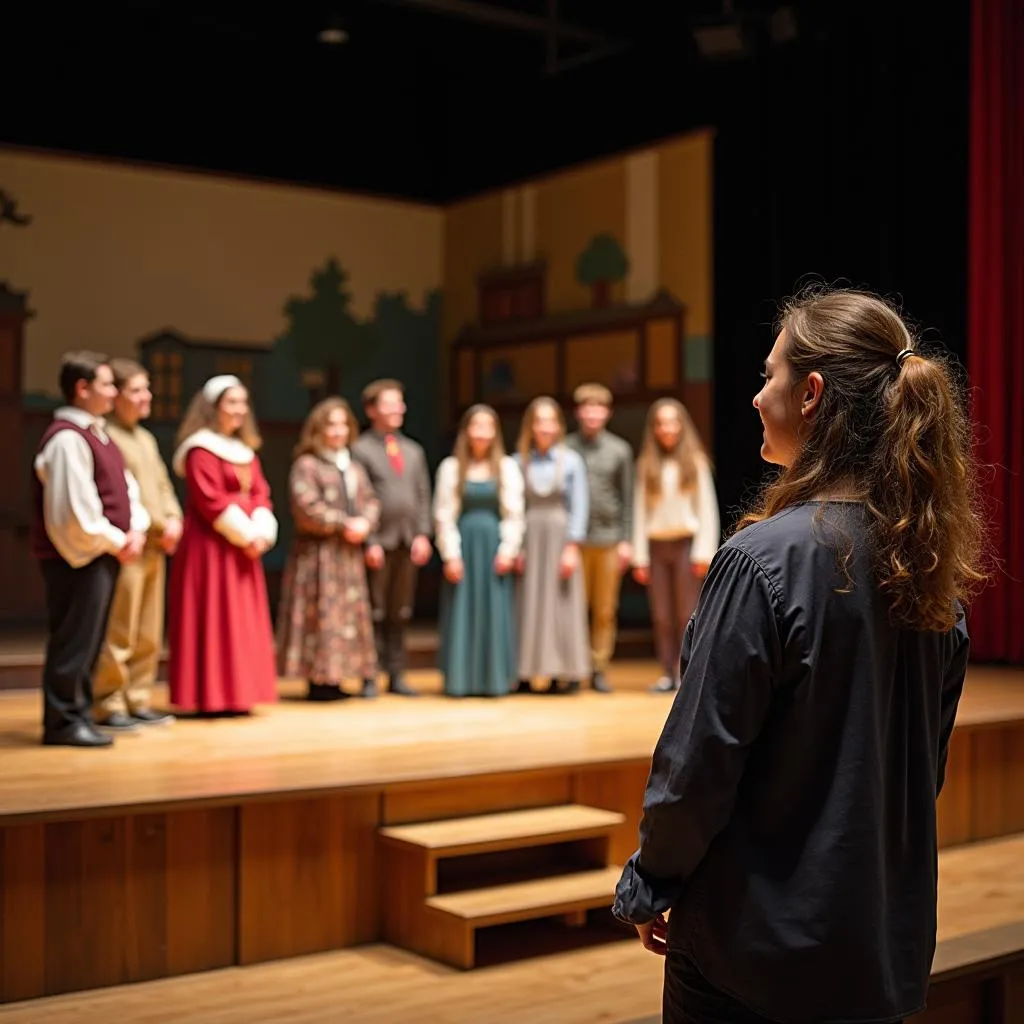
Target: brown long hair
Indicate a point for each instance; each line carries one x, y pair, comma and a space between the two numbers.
525, 441
313, 427
202, 414
687, 453
898, 437
461, 450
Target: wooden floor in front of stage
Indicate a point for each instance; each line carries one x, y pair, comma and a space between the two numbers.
617, 982
295, 747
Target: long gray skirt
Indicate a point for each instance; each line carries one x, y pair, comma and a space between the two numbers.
553, 636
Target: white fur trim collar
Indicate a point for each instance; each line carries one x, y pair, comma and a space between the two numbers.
230, 449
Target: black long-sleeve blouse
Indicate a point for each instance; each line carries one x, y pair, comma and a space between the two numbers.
789, 820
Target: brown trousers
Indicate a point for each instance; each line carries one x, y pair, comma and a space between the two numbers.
601, 581
128, 661
673, 594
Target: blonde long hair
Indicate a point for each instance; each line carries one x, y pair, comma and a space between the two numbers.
202, 414
687, 454
892, 428
313, 427
461, 450
525, 442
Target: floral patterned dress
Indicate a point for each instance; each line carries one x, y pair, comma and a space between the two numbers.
325, 629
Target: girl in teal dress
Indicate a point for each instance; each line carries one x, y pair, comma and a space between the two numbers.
478, 516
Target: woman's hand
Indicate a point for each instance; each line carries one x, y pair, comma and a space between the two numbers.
503, 564
355, 530
257, 548
454, 570
654, 935
699, 569
570, 561
642, 574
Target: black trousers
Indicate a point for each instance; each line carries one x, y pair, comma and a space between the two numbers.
688, 999
78, 605
392, 589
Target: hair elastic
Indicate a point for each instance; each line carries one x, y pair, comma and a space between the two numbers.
903, 356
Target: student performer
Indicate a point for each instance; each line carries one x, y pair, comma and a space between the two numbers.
222, 660
789, 821
552, 611
397, 468
325, 630
607, 552
87, 520
676, 527
478, 515
130, 656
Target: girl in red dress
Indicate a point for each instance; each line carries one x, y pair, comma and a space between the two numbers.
220, 636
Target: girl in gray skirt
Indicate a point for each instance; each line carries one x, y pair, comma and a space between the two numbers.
553, 639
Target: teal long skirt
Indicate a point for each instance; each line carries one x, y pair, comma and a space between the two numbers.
478, 649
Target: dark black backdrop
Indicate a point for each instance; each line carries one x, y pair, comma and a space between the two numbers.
846, 163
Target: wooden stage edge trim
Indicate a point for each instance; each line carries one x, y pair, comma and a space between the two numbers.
243, 797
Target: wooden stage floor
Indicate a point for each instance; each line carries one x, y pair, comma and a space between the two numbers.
296, 748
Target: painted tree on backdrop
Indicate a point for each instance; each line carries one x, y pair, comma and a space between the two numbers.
600, 265
323, 337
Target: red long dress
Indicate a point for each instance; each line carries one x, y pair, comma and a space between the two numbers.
219, 630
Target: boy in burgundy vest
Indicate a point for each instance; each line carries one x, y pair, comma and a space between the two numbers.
86, 520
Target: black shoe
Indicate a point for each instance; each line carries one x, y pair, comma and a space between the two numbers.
370, 689
396, 684
118, 721
147, 716
555, 686
80, 734
325, 692
664, 685
599, 683
523, 687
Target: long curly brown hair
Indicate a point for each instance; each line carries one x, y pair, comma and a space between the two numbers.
313, 428
462, 452
687, 453
896, 436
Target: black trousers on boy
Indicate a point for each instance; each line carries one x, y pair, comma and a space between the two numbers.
78, 605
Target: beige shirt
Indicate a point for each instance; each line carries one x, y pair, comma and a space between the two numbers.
144, 462
676, 514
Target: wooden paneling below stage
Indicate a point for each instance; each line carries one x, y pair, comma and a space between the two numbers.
208, 844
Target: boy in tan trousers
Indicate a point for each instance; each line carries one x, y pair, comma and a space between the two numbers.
128, 661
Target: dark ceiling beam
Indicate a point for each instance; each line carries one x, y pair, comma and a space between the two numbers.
502, 17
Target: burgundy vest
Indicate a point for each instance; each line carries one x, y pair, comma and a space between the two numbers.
108, 472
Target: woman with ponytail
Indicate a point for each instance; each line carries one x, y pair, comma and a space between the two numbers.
789, 819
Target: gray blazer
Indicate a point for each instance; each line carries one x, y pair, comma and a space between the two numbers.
404, 500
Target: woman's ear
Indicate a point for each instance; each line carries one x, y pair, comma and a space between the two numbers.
813, 390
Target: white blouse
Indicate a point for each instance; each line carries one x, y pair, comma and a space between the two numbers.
676, 514
448, 507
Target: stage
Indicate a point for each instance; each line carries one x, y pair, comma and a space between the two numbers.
221, 843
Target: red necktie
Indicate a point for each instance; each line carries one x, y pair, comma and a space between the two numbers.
394, 450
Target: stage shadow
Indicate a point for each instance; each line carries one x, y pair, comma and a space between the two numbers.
525, 940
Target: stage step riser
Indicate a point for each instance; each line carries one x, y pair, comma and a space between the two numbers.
494, 869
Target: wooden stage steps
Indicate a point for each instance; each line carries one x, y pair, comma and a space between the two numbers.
465, 874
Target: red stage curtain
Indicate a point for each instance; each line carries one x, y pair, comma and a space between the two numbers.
996, 309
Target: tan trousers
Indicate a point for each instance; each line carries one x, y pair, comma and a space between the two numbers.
602, 579
130, 655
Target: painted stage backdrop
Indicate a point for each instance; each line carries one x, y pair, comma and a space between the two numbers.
599, 272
